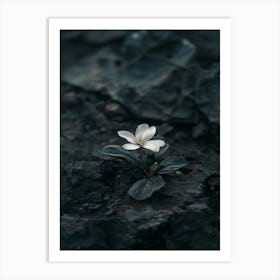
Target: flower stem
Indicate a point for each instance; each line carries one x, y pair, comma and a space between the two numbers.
142, 163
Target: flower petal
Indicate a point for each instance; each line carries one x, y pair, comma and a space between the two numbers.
149, 133
127, 135
141, 128
130, 147
154, 145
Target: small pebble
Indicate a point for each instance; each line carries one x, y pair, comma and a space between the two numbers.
111, 107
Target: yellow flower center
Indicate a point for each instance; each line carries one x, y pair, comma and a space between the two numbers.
140, 142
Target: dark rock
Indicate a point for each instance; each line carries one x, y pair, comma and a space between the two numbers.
139, 42
72, 230
100, 37
164, 129
71, 35
194, 229
199, 130
84, 169
112, 107
187, 187
185, 112
145, 81
115, 81
213, 183
207, 43
207, 95
178, 218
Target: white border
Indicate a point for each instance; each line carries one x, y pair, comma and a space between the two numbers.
55, 254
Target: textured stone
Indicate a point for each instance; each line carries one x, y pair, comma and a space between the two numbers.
169, 79
144, 80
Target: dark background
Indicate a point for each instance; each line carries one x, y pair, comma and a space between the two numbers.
115, 80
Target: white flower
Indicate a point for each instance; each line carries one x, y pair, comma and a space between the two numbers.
142, 137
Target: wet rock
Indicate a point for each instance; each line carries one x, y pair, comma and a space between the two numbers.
207, 44
71, 230
213, 183
194, 229
187, 187
177, 218
101, 37
139, 42
112, 107
96, 234
142, 82
199, 130
207, 95
71, 35
69, 98
84, 169
164, 129
186, 112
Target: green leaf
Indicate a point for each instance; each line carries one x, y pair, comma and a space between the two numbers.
154, 167
160, 155
171, 164
144, 188
120, 152
147, 156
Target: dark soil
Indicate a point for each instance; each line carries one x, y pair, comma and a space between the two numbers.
115, 80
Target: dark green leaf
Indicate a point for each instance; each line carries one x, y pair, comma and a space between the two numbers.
159, 156
144, 188
154, 168
171, 164
147, 156
120, 152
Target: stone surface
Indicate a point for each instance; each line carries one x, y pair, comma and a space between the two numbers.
151, 81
